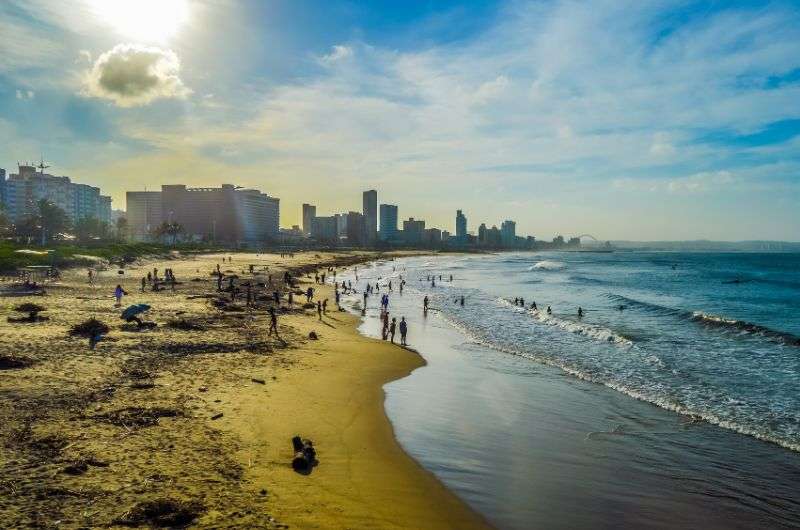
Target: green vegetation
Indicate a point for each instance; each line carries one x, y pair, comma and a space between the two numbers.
70, 255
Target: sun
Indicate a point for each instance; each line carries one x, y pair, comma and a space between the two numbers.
146, 21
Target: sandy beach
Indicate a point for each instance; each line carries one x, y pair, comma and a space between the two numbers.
176, 426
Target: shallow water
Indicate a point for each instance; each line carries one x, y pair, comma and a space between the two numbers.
506, 416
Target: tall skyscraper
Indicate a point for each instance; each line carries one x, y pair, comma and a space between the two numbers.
461, 226
309, 213
508, 233
370, 210
388, 230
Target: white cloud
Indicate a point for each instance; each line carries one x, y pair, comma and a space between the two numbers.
338, 53
661, 146
132, 75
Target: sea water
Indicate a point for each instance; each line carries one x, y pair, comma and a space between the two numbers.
673, 400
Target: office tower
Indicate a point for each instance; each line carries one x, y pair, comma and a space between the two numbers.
370, 211
388, 214
309, 213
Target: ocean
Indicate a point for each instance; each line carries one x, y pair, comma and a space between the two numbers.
673, 401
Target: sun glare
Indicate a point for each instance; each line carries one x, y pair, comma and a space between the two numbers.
142, 20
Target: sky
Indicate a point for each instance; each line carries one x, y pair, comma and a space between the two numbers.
641, 120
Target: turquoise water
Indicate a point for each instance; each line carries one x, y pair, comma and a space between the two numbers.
559, 421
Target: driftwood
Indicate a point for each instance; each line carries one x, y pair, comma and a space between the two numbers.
305, 456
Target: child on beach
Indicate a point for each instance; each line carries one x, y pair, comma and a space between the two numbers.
118, 292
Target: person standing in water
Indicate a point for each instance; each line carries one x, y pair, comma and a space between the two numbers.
549, 311
580, 312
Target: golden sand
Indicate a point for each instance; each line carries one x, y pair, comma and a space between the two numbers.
87, 437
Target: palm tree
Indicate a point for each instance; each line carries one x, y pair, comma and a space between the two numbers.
52, 219
169, 229
122, 228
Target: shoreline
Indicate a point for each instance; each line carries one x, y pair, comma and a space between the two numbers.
365, 478
199, 423
582, 454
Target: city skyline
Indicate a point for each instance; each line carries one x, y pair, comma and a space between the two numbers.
630, 120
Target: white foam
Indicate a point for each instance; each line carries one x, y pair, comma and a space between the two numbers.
548, 266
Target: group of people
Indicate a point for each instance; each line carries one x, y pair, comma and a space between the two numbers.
155, 282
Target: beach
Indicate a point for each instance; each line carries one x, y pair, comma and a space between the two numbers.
191, 422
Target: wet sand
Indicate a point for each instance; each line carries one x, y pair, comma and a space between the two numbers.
130, 433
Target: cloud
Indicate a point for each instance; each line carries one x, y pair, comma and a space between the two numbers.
338, 53
661, 145
132, 75
702, 182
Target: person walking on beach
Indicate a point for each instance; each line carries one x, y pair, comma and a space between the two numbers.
403, 331
273, 322
392, 328
325, 306
338, 298
425, 304
118, 293
365, 299
144, 282
309, 294
91, 277
319, 309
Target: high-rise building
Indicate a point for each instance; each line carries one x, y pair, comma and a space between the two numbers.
2, 189
215, 214
413, 231
508, 233
482, 235
432, 236
461, 226
370, 211
24, 189
309, 212
144, 213
388, 230
355, 229
325, 230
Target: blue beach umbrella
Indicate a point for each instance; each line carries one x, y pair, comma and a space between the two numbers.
133, 310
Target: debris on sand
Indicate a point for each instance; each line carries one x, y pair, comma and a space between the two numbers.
217, 416
305, 456
259, 381
8, 362
89, 328
79, 467
137, 416
161, 513
313, 335
33, 311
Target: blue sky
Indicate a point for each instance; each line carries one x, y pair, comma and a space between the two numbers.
628, 120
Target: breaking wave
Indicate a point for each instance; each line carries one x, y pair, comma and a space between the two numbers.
548, 266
